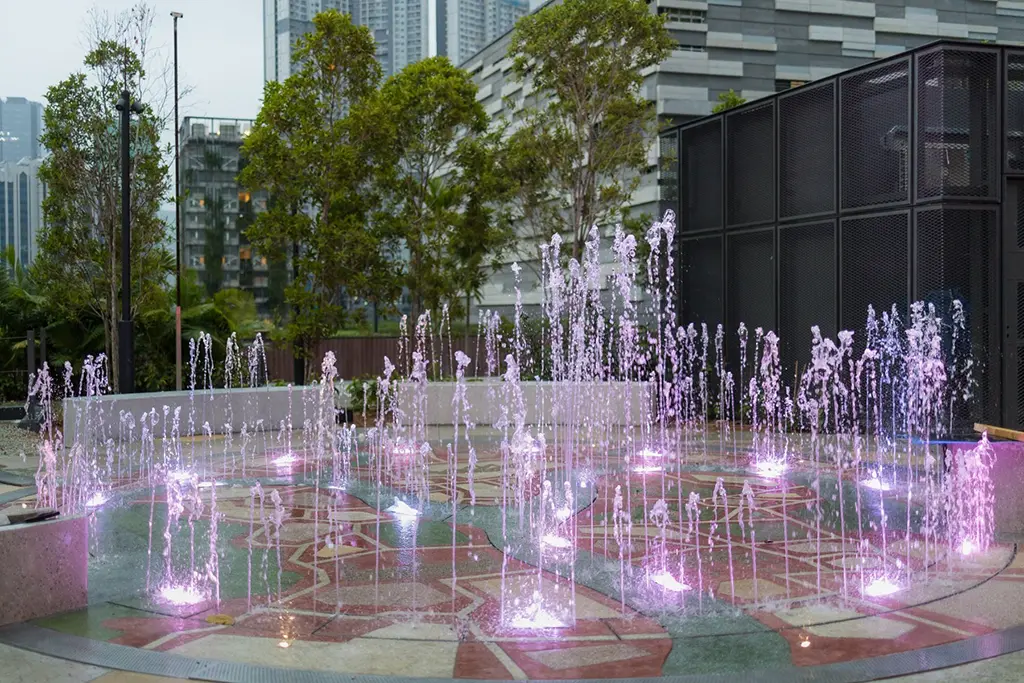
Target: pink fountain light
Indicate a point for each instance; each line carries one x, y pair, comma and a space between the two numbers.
539, 619
96, 499
555, 541
402, 509
881, 587
770, 468
181, 595
648, 469
876, 484
968, 547
285, 460
669, 582
650, 454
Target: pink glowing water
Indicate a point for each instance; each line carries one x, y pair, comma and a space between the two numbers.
402, 509
649, 453
876, 484
181, 595
881, 587
540, 619
771, 468
96, 499
669, 582
968, 547
648, 469
285, 460
555, 541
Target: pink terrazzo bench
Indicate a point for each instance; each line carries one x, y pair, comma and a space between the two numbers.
44, 568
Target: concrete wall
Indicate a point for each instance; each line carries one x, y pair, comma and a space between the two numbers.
547, 402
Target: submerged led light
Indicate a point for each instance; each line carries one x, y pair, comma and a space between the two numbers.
876, 484
555, 541
181, 595
402, 509
770, 468
669, 582
881, 587
96, 499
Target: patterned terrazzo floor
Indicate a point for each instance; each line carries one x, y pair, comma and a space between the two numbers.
335, 582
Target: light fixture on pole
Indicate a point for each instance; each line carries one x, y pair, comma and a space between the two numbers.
177, 218
126, 364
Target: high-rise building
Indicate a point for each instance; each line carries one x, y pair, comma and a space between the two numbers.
216, 210
406, 31
21, 124
21, 208
470, 25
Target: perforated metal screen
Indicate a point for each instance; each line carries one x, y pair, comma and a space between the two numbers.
1013, 103
956, 123
955, 249
807, 287
751, 278
700, 170
750, 171
874, 266
807, 154
874, 128
701, 280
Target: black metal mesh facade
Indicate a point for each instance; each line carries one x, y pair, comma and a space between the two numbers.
807, 287
883, 185
875, 266
750, 168
701, 280
1013, 102
956, 123
751, 278
807, 151
700, 177
874, 125
955, 248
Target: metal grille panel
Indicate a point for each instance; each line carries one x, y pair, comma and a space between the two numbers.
955, 251
751, 269
956, 123
1014, 105
807, 288
701, 280
874, 127
700, 170
807, 154
750, 179
874, 266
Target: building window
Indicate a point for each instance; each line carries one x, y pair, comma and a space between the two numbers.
690, 48
23, 214
684, 16
783, 86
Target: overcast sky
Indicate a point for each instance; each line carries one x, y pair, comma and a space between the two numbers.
220, 49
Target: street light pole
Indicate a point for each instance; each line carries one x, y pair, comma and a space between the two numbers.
177, 218
126, 364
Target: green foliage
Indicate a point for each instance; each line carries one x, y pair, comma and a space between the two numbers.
728, 100
578, 160
441, 185
78, 269
360, 389
316, 161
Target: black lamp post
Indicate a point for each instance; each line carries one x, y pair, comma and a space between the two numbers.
177, 218
126, 366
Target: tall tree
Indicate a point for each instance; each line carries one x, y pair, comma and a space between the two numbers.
579, 157
442, 165
79, 262
317, 162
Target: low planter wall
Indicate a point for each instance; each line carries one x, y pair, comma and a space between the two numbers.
99, 418
611, 403
45, 568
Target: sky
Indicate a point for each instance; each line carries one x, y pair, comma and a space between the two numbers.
220, 49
